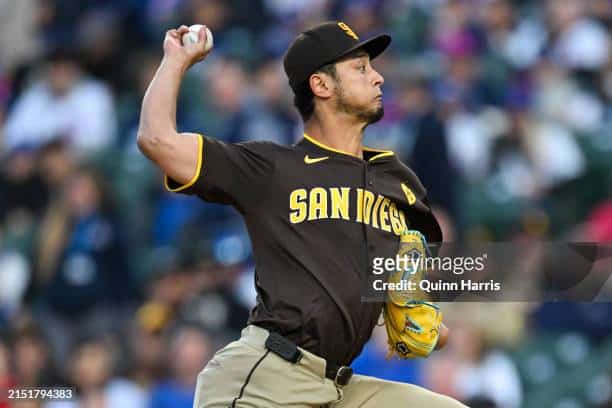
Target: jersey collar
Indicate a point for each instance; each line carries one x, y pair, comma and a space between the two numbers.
369, 154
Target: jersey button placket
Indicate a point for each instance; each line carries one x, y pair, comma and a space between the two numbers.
369, 179
369, 170
370, 182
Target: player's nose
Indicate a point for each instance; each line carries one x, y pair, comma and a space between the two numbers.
378, 78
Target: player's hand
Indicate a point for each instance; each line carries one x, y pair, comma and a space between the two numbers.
443, 336
185, 55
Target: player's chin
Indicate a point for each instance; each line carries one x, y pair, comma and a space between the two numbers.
376, 113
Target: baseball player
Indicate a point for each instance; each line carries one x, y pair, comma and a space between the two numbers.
318, 213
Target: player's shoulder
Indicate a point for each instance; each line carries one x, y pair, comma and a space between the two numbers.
265, 146
271, 150
407, 175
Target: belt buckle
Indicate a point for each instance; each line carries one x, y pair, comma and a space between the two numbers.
343, 376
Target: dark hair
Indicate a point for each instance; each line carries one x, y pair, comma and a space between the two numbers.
303, 98
95, 172
62, 54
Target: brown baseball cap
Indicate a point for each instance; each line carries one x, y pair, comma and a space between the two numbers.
324, 44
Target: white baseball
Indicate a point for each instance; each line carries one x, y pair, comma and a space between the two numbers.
191, 37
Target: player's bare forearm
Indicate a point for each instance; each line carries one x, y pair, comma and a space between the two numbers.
175, 154
158, 113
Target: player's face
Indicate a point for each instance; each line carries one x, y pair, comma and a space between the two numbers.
358, 89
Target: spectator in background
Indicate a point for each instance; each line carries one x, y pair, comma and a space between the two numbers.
481, 402
578, 41
214, 304
6, 85
169, 285
23, 199
14, 280
518, 40
429, 157
470, 369
6, 376
198, 292
81, 271
534, 154
21, 186
228, 82
57, 164
32, 358
560, 97
463, 87
190, 348
37, 404
63, 103
99, 34
146, 362
598, 225
91, 371
268, 115
19, 41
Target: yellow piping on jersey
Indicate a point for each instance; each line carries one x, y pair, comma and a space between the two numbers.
381, 153
195, 176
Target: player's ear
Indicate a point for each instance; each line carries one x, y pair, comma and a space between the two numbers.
321, 84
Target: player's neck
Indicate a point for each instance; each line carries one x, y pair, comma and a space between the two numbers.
343, 135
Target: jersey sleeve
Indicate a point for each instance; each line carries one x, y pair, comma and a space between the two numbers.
228, 173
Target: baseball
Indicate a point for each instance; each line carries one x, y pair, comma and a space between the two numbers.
191, 37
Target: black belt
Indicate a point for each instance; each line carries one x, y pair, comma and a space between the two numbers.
285, 349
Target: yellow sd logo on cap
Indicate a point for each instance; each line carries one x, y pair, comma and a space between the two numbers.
347, 30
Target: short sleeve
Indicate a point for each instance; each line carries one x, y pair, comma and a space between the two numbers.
228, 173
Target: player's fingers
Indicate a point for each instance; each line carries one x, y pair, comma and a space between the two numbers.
172, 33
183, 29
202, 34
444, 333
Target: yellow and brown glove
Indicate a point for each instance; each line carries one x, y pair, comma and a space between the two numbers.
412, 322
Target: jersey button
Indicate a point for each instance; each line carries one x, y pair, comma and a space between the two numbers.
370, 183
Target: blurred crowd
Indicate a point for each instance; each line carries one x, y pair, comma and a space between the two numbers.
115, 287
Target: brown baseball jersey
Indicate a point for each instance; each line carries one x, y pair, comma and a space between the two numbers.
316, 217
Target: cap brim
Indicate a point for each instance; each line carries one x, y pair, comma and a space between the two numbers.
374, 46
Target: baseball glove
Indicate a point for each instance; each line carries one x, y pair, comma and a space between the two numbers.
412, 322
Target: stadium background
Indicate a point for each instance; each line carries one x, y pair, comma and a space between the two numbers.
115, 287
